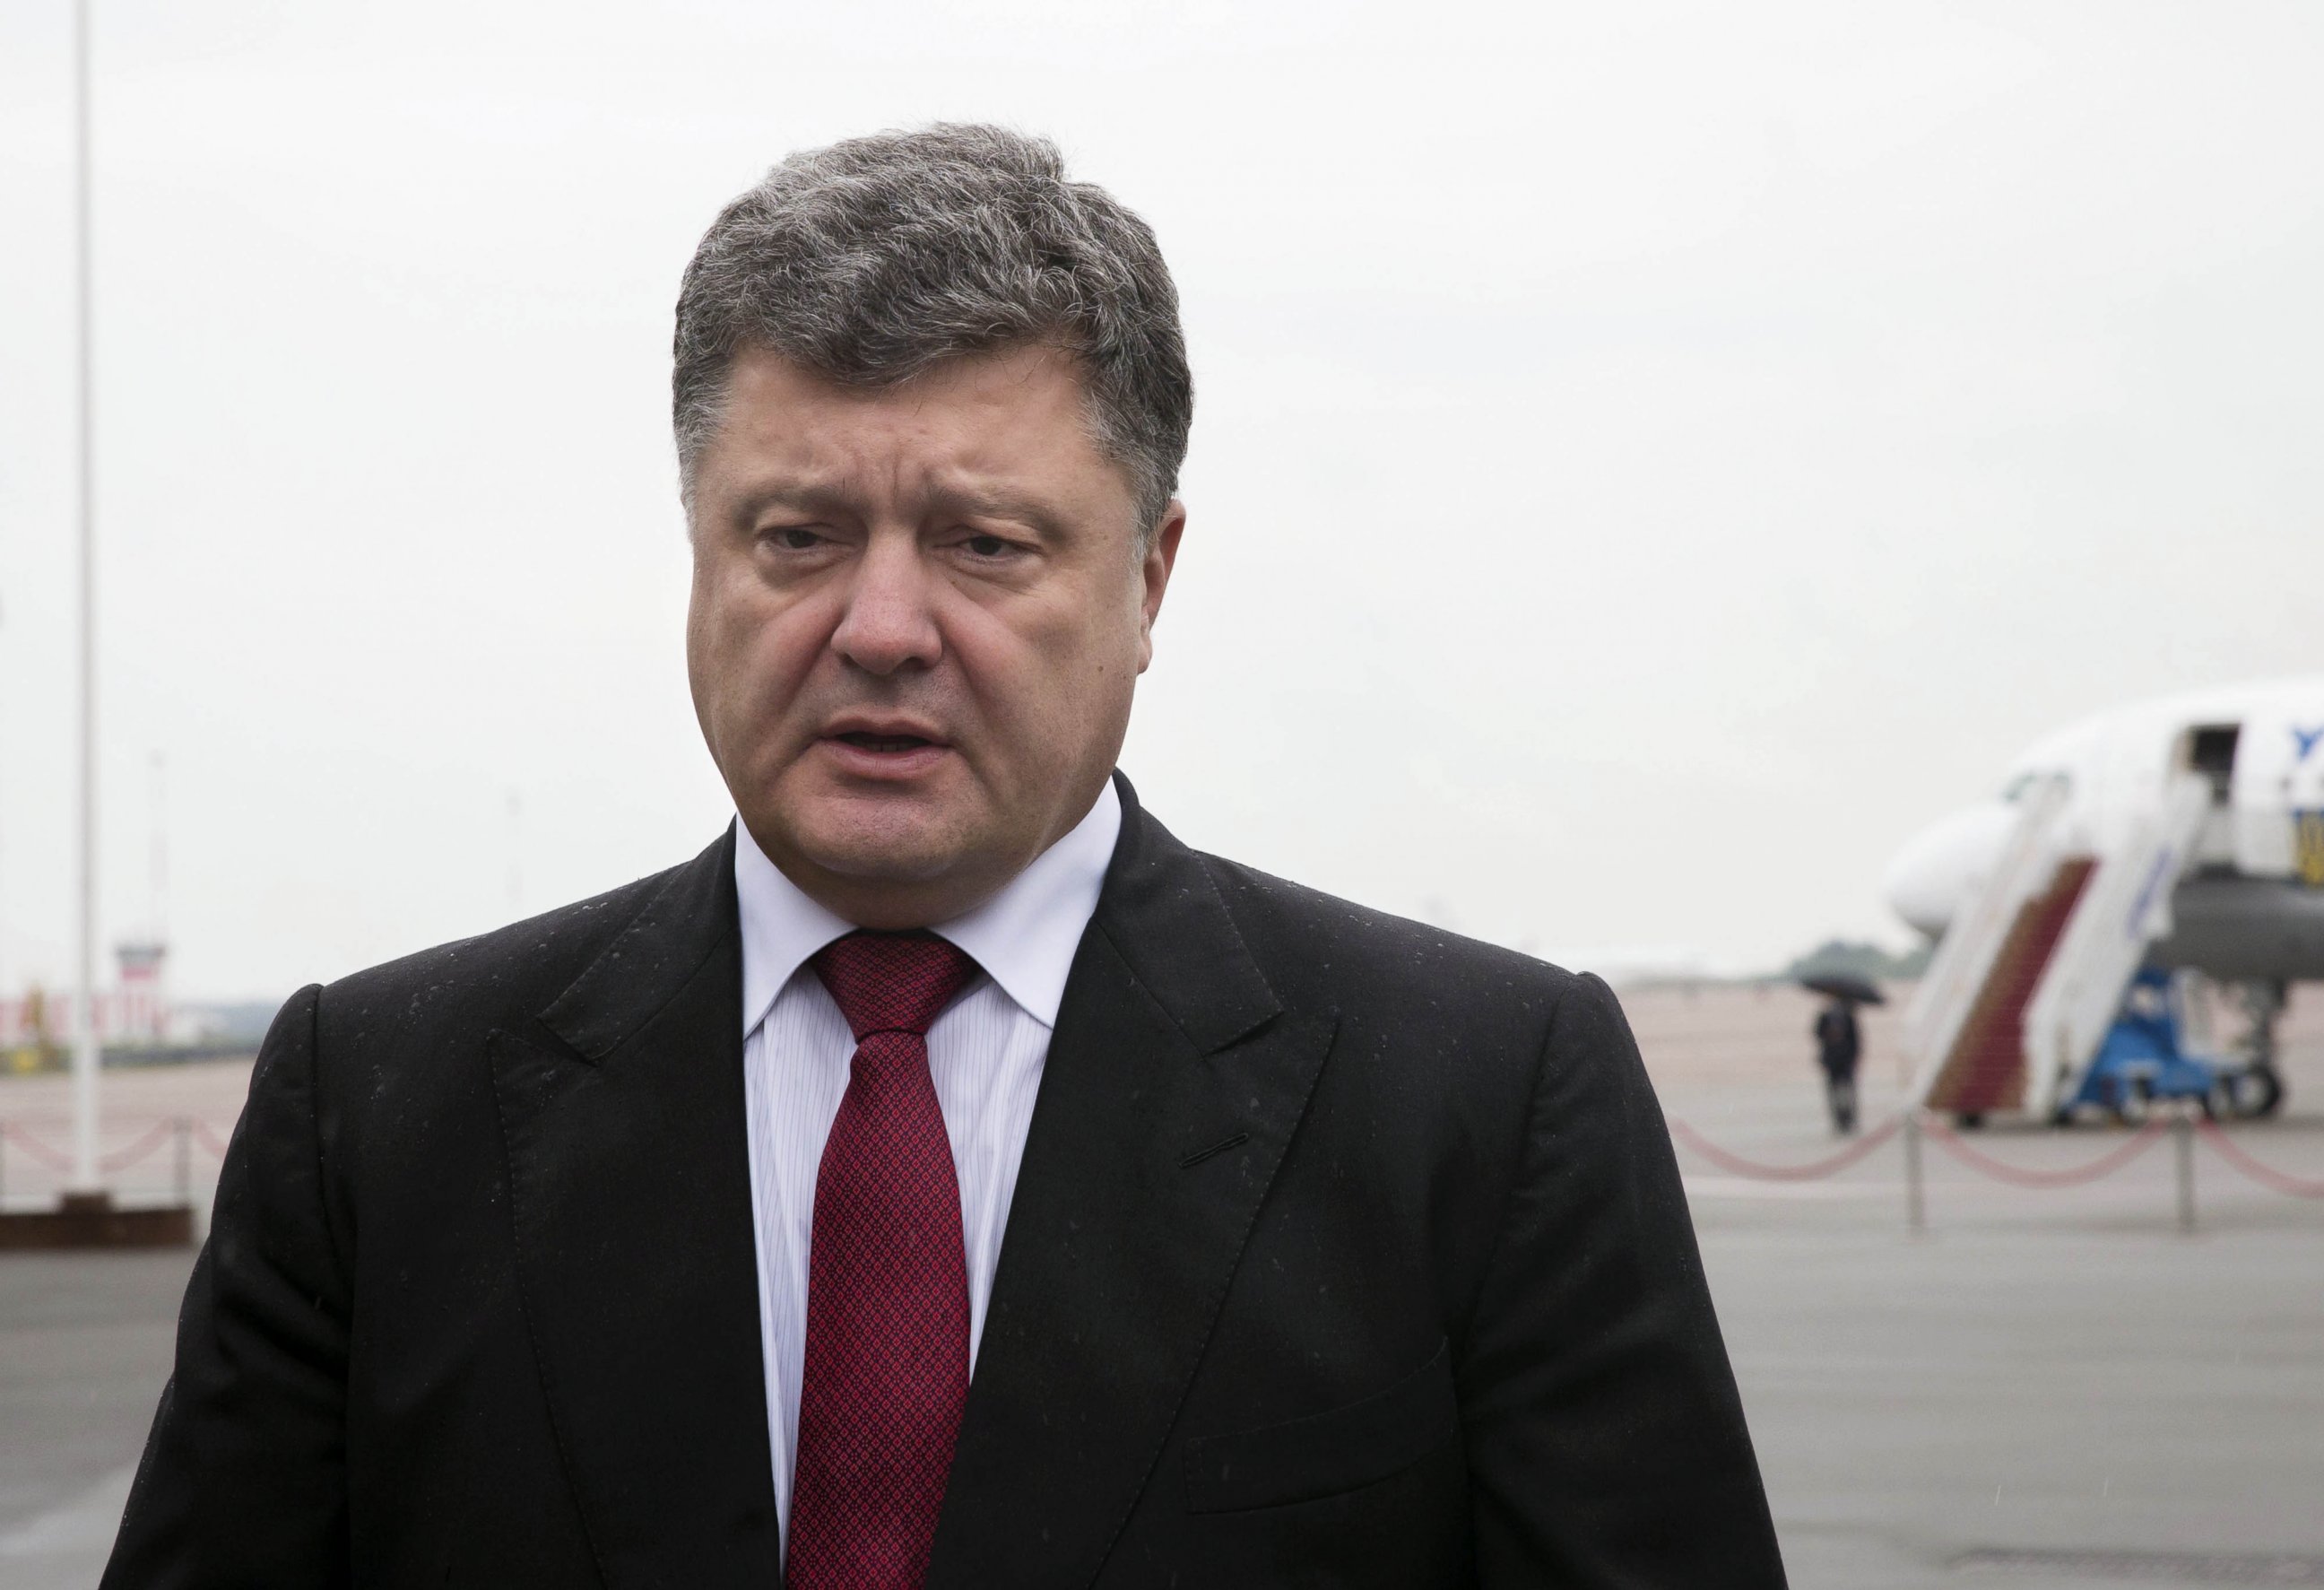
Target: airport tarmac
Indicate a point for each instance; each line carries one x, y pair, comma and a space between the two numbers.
2051, 1388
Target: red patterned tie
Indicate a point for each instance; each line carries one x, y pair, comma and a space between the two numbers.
887, 1289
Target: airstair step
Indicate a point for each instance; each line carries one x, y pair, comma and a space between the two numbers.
1985, 1068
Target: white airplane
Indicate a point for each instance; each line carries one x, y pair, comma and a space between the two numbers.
2131, 862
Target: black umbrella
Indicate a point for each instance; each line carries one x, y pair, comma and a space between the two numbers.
1845, 985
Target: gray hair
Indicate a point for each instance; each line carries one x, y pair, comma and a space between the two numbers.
878, 258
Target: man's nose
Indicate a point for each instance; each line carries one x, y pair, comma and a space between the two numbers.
890, 623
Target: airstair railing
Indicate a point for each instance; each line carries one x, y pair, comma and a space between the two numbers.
1964, 957
2125, 908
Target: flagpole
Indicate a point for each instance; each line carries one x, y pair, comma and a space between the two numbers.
85, 1041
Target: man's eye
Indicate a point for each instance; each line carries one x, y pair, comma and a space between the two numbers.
987, 546
798, 538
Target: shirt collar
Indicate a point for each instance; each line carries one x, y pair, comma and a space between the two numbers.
1024, 937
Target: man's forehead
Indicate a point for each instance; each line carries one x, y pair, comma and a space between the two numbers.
978, 413
1017, 376
1004, 432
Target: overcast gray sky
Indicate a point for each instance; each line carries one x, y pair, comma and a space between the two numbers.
1648, 459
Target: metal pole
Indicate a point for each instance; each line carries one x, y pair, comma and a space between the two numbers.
185, 1170
1917, 1211
2182, 1133
85, 1044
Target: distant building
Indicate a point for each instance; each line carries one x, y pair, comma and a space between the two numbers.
37, 1029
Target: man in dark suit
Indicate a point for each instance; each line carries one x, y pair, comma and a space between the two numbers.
948, 1177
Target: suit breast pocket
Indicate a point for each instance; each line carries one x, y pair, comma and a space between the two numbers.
1326, 1453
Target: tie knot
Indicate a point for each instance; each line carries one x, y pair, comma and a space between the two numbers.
892, 982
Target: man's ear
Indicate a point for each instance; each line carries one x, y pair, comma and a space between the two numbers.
1153, 576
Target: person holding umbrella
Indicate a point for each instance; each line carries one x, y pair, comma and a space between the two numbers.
1839, 1045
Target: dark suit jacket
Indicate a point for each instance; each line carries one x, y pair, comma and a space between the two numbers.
1344, 1253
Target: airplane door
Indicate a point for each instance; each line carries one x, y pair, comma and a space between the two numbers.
2279, 798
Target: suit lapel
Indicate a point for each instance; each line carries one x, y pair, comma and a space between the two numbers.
1173, 1082
622, 1118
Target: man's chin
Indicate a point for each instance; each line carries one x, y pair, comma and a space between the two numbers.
869, 843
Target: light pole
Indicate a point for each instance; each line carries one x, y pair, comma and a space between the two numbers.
85, 1043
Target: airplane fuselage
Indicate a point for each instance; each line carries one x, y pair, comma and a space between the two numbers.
2249, 905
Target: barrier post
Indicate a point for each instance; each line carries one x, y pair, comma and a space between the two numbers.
1916, 1212
184, 1131
2182, 1133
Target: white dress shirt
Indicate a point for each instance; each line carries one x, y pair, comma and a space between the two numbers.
986, 1055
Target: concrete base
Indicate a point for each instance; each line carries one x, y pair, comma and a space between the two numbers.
91, 1220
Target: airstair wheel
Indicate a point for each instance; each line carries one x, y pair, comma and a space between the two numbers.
2250, 1094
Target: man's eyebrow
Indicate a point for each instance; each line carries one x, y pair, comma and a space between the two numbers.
823, 498
1000, 503
800, 496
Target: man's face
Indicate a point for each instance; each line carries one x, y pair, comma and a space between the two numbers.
918, 615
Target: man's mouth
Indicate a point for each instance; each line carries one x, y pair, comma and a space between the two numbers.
884, 742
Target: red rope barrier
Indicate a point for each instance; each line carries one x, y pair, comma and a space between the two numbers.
2267, 1176
2017, 1175
36, 1148
1735, 1165
121, 1158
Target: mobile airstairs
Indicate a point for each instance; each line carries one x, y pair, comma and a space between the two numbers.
2024, 1006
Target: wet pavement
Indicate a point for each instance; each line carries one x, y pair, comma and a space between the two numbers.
2055, 1390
